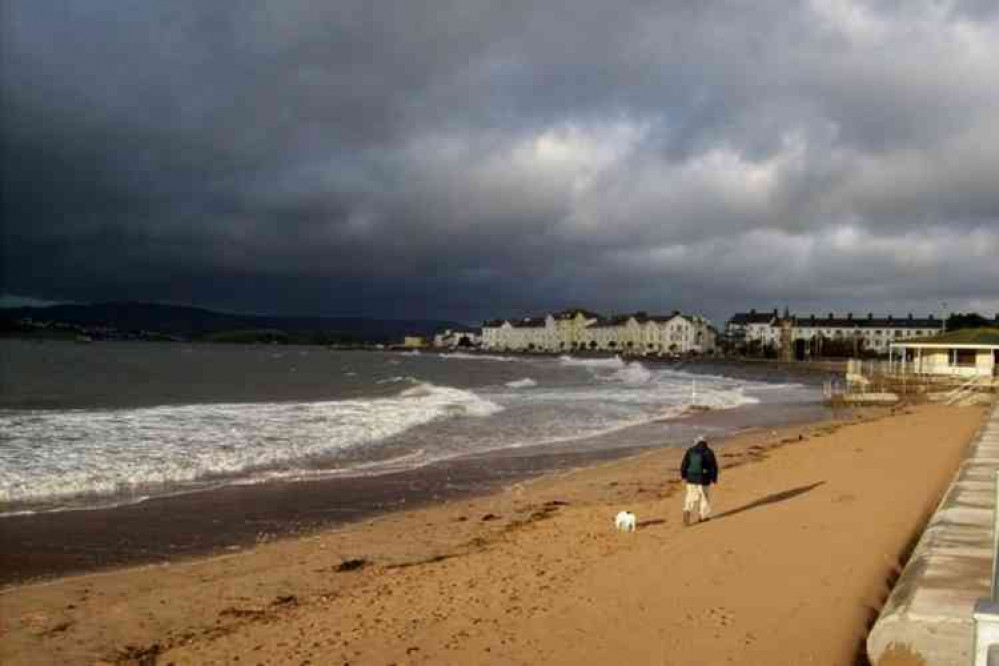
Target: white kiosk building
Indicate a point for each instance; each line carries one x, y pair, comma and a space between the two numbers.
965, 353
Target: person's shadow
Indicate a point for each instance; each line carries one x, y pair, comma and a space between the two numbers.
763, 501
770, 499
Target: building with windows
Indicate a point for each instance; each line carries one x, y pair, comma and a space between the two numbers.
459, 337
868, 333
752, 329
815, 335
965, 353
569, 330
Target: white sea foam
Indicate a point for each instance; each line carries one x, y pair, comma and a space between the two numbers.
396, 379
477, 357
397, 464
653, 392
87, 458
633, 373
47, 455
613, 363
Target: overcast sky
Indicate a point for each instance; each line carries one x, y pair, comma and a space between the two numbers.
463, 159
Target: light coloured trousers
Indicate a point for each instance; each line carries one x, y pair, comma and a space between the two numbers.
697, 496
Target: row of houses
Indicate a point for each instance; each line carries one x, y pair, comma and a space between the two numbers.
785, 335
805, 336
579, 330
913, 345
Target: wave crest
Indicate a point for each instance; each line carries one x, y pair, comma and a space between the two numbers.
613, 363
90, 453
476, 357
633, 374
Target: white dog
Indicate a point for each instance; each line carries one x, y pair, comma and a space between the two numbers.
625, 521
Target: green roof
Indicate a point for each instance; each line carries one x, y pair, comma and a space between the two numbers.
966, 336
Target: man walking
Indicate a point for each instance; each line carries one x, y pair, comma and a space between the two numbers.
699, 469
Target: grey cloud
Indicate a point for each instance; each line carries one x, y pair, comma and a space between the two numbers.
471, 158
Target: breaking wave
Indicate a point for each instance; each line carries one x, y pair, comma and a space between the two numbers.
477, 357
633, 373
614, 362
93, 453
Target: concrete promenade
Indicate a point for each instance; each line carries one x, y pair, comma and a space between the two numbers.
930, 610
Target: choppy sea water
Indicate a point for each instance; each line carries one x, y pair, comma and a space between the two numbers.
84, 426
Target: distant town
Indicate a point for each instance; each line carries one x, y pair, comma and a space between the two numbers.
768, 334
771, 333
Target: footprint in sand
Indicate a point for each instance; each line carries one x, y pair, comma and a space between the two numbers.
720, 616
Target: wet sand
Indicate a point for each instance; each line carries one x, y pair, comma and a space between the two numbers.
44, 545
811, 522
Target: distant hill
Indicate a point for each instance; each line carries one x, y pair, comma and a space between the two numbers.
198, 323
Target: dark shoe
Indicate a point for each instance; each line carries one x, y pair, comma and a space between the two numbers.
686, 518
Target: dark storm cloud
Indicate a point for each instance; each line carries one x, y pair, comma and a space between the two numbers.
468, 159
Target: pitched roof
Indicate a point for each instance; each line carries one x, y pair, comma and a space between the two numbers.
572, 312
752, 317
870, 321
610, 322
966, 336
832, 321
615, 320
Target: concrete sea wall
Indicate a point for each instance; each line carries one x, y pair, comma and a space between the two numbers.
929, 612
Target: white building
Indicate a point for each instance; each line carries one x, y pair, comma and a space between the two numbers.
570, 330
870, 332
966, 353
560, 331
688, 333
753, 329
570, 327
810, 334
454, 338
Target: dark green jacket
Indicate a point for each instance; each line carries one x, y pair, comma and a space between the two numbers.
709, 466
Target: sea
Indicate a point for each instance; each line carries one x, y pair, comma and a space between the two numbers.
86, 426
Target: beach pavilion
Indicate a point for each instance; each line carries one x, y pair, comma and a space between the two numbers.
965, 353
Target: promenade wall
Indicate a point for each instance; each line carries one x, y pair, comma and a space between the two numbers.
929, 612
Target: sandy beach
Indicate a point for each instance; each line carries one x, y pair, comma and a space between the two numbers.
811, 524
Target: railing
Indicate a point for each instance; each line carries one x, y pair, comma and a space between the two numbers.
833, 389
965, 390
905, 378
867, 368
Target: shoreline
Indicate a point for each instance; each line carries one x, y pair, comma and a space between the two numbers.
231, 518
475, 477
534, 573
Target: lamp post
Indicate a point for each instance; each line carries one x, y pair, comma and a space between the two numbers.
944, 304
